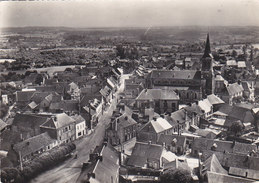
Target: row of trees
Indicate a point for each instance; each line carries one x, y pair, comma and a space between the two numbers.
176, 176
37, 165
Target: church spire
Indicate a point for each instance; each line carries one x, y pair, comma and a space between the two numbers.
207, 51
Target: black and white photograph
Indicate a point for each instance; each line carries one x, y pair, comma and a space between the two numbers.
129, 91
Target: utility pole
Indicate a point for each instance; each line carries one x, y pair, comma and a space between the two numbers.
20, 158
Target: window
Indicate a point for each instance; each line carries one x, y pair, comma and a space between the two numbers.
157, 104
165, 104
173, 106
79, 134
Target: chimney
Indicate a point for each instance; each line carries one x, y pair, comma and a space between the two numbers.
163, 145
200, 163
91, 174
116, 124
214, 147
247, 158
27, 143
100, 157
154, 118
54, 118
185, 115
21, 137
105, 143
149, 142
233, 144
126, 117
178, 127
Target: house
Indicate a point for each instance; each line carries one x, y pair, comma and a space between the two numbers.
195, 112
80, 126
124, 128
50, 81
220, 84
206, 146
153, 129
30, 147
60, 127
23, 97
227, 160
249, 91
211, 164
231, 63
3, 125
179, 120
234, 91
188, 62
241, 64
206, 107
74, 90
41, 101
218, 177
102, 167
112, 83
235, 113
88, 93
93, 112
28, 125
107, 94
133, 87
212, 171
174, 143
146, 155
207, 133
67, 106
215, 100
161, 101
177, 164
244, 172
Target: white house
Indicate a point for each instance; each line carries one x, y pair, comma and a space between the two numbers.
80, 126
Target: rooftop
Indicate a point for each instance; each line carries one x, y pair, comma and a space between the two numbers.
157, 94
182, 74
144, 151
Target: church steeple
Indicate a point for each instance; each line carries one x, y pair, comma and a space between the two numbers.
207, 51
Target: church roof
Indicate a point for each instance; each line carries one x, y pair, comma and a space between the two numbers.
207, 51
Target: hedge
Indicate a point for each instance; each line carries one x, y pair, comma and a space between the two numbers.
39, 164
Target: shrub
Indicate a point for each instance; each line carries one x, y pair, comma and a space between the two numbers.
46, 160
176, 176
10, 175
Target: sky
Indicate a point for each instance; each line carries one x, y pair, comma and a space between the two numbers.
129, 13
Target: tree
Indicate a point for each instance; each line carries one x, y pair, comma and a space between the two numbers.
234, 53
3, 110
176, 176
237, 127
39, 79
120, 51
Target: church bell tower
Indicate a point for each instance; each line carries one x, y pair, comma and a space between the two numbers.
207, 70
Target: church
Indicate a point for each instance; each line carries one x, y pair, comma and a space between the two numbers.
190, 85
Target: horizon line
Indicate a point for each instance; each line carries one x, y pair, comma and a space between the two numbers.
110, 27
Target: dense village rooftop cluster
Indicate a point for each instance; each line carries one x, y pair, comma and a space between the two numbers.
197, 113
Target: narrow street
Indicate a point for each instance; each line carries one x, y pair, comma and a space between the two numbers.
69, 170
